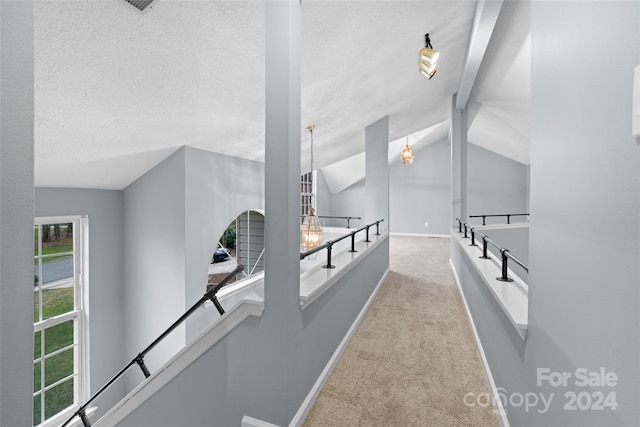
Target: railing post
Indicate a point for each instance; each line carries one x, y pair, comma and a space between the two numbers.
140, 361
329, 257
483, 220
377, 228
508, 219
504, 277
353, 242
219, 307
484, 248
459, 225
473, 238
465, 230
348, 221
367, 239
83, 417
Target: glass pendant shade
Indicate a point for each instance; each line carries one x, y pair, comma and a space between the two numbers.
407, 155
310, 231
429, 56
427, 70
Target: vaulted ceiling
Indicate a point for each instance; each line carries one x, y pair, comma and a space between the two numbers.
118, 90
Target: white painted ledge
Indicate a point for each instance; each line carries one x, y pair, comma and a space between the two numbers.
315, 281
254, 422
63, 416
232, 294
251, 305
512, 297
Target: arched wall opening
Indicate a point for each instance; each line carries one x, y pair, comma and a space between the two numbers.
242, 242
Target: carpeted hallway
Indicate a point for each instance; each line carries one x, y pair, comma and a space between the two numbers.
413, 358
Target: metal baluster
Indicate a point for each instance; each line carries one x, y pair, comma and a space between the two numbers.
329, 257
140, 361
504, 277
353, 242
473, 238
484, 248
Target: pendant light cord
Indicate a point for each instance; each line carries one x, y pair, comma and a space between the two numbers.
310, 129
311, 162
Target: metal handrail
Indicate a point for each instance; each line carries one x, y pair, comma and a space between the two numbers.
517, 261
348, 218
329, 245
497, 215
139, 359
504, 253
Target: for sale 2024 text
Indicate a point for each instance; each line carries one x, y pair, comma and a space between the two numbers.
600, 399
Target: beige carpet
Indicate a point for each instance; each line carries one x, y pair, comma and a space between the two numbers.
413, 358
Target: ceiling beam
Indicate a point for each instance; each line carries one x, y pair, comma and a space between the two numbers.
484, 21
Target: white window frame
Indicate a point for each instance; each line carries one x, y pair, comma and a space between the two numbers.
304, 211
79, 315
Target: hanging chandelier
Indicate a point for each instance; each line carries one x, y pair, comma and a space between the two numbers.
406, 155
310, 229
428, 58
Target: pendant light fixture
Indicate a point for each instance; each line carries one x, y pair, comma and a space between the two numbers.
310, 230
406, 155
428, 58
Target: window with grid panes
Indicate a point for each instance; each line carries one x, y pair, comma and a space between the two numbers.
306, 190
58, 318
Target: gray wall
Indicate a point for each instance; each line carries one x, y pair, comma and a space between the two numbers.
421, 192
174, 216
584, 293
154, 212
348, 202
496, 185
105, 210
323, 200
584, 176
459, 161
377, 173
233, 379
218, 188
16, 212
150, 248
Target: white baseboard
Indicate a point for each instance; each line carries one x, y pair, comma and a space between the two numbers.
502, 414
440, 236
308, 402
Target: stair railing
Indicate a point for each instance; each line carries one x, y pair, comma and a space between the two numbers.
484, 217
139, 359
505, 255
329, 245
348, 218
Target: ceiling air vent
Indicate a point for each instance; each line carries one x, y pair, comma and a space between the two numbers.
139, 4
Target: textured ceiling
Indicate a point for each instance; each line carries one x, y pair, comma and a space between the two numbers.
118, 90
